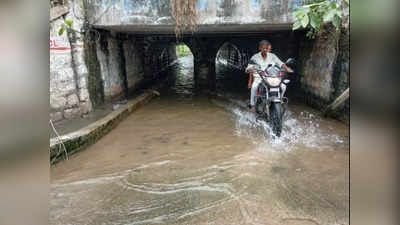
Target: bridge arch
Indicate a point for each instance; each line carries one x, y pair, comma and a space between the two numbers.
229, 55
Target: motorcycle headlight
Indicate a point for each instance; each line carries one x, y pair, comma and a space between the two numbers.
273, 81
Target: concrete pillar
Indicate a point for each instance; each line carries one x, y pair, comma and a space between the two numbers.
204, 51
133, 64
171, 53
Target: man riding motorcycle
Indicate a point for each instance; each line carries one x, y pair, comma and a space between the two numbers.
263, 58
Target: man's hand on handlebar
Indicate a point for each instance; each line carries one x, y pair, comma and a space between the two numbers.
288, 69
251, 69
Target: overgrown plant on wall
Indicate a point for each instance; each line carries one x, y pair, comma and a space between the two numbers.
315, 13
185, 15
67, 25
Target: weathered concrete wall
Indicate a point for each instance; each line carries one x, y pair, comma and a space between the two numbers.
95, 81
317, 62
121, 58
323, 68
341, 76
69, 96
172, 52
158, 12
133, 63
109, 56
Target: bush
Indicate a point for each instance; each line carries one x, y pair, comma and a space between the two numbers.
183, 50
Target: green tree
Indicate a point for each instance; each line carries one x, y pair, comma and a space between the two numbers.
314, 14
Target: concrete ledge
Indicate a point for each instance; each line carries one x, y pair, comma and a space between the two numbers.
57, 12
90, 134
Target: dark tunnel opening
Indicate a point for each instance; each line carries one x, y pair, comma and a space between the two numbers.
212, 62
230, 62
218, 63
181, 79
233, 55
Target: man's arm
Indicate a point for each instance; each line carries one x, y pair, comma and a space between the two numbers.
250, 79
281, 64
250, 67
287, 68
250, 70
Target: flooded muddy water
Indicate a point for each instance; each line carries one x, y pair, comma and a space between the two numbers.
187, 158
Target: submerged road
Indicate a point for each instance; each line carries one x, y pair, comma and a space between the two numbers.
187, 159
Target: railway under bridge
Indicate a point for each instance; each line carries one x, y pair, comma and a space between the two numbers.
187, 157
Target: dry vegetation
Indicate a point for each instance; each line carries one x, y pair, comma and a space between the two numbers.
185, 15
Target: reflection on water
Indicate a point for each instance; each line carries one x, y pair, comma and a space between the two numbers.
186, 158
181, 82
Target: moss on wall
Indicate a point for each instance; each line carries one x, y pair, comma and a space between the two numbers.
95, 82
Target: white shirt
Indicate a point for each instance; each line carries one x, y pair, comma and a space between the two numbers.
271, 59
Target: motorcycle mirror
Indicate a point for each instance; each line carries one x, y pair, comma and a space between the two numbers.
290, 61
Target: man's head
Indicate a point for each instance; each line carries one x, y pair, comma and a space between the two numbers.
264, 46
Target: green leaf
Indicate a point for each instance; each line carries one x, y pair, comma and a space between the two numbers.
305, 10
336, 21
339, 13
315, 22
300, 15
312, 5
329, 15
296, 25
326, 3
304, 21
61, 31
69, 22
310, 34
346, 3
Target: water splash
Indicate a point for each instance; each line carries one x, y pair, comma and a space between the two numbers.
297, 130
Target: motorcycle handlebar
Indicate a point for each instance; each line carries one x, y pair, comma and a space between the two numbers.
282, 70
259, 72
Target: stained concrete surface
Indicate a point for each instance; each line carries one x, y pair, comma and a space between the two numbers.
67, 126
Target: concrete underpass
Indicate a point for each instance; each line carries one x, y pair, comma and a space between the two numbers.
166, 138
158, 50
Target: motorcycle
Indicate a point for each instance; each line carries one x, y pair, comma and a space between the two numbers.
269, 102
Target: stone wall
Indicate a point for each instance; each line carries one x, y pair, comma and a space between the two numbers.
69, 95
88, 69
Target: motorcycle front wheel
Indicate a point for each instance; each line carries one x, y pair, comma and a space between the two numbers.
276, 118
